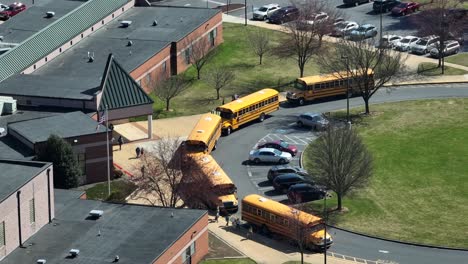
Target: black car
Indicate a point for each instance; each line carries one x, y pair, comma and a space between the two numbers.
283, 169
284, 181
384, 5
284, 14
305, 192
355, 2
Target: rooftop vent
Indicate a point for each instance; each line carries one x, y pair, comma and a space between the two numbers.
41, 261
155, 23
96, 213
125, 23
3, 132
130, 43
74, 252
1, 38
50, 14
90, 56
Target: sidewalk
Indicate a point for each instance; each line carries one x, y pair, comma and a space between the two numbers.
411, 62
264, 250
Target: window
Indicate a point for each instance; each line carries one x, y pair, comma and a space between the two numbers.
2, 234
102, 22
34, 67
187, 255
82, 35
45, 59
71, 42
113, 15
60, 50
32, 211
139, 82
164, 66
148, 78
92, 28
187, 55
212, 36
81, 157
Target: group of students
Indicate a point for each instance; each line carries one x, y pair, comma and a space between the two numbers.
235, 222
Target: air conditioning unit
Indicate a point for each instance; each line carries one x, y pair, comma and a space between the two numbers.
41, 261
74, 252
3, 132
9, 105
96, 213
50, 14
125, 23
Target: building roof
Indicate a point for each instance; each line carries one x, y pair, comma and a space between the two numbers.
137, 234
32, 20
67, 125
56, 34
12, 148
17, 173
119, 89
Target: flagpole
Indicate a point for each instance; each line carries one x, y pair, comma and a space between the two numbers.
107, 144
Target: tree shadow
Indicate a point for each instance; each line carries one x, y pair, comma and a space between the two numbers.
273, 193
264, 184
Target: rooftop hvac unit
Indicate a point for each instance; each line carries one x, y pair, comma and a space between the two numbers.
41, 261
74, 252
9, 105
125, 23
96, 213
50, 14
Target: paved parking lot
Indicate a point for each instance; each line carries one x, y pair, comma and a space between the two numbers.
258, 173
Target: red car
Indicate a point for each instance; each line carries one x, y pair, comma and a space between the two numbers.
280, 145
405, 8
12, 10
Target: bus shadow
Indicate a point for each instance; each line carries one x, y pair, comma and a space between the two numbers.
273, 193
264, 184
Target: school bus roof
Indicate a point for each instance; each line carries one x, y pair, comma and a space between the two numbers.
281, 209
247, 100
204, 127
327, 77
210, 167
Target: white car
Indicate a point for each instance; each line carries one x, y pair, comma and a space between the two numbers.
389, 41
424, 45
3, 7
315, 18
343, 28
405, 43
264, 12
269, 155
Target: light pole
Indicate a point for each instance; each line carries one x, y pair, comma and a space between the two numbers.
345, 58
245, 11
325, 213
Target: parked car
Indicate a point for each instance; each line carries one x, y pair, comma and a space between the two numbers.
284, 14
12, 10
315, 120
269, 155
284, 169
423, 45
388, 41
355, 2
342, 29
384, 5
284, 181
451, 47
305, 192
405, 43
264, 12
280, 145
363, 32
405, 8
313, 19
3, 7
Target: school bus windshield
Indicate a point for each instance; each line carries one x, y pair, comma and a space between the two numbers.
300, 85
225, 114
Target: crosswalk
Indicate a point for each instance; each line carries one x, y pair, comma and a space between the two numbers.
298, 140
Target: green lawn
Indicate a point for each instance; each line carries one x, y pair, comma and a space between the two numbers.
460, 59
430, 69
419, 189
229, 261
250, 76
120, 189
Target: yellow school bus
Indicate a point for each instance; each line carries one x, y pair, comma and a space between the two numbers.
204, 136
223, 191
281, 219
251, 107
319, 86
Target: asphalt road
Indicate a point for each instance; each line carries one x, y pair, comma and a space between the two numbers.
233, 150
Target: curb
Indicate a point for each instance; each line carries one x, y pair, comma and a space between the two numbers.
399, 241
425, 83
123, 170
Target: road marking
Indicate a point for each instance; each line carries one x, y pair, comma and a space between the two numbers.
264, 188
384, 251
187, 5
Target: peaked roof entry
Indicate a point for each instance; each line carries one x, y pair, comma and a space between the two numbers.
118, 88
56, 34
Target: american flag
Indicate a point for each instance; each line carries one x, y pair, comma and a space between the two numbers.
101, 120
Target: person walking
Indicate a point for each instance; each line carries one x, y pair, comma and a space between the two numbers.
237, 223
138, 151
142, 151
217, 214
120, 141
227, 219
250, 232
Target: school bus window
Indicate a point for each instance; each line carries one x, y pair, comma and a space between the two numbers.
285, 222
259, 212
272, 217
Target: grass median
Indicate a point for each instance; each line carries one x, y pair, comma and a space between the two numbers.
460, 59
431, 69
418, 191
235, 54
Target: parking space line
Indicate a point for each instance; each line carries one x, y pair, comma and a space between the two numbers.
304, 142
290, 140
265, 188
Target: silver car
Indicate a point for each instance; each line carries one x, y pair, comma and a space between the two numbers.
363, 32
315, 120
343, 28
269, 155
451, 47
424, 45
264, 12
405, 43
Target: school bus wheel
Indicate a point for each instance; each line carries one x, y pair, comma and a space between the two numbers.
301, 101
262, 117
228, 131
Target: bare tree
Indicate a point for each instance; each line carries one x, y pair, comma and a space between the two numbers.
171, 87
259, 41
198, 53
305, 35
341, 161
219, 77
444, 19
365, 68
